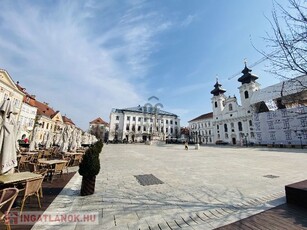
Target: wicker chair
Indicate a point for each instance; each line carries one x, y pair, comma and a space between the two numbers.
38, 169
23, 162
57, 170
32, 188
7, 198
77, 159
47, 154
39, 155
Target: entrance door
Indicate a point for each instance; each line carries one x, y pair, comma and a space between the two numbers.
234, 142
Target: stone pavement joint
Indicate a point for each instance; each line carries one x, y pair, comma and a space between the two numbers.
202, 189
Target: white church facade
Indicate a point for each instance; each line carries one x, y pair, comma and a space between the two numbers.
274, 116
232, 122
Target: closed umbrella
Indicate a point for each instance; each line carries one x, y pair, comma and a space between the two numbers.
34, 139
65, 140
50, 139
8, 141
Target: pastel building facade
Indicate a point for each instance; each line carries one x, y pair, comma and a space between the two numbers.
201, 129
10, 91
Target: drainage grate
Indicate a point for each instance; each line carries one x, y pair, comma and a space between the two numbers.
148, 179
271, 176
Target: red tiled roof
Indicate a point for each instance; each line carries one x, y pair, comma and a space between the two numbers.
28, 99
67, 120
99, 121
44, 109
204, 116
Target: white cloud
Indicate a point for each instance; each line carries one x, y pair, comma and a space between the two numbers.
188, 20
54, 53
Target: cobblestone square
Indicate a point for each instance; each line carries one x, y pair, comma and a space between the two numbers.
202, 189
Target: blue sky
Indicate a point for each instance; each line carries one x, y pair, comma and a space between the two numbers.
86, 57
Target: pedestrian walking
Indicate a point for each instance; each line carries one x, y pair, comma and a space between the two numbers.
186, 146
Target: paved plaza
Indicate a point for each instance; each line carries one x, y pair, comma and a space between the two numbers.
195, 189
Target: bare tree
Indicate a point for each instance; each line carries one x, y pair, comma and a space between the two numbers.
288, 43
97, 131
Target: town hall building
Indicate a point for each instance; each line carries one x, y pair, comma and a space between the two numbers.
143, 123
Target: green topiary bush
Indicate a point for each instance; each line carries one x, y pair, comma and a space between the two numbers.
90, 164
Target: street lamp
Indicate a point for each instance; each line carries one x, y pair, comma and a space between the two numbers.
245, 137
206, 138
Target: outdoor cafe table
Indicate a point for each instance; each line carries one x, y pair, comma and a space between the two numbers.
73, 154
17, 177
51, 162
29, 153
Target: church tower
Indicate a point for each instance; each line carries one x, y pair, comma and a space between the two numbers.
218, 99
248, 87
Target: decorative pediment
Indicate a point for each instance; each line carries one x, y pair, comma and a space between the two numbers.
57, 117
6, 79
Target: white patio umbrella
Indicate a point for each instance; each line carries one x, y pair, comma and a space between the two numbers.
79, 138
8, 141
73, 140
34, 139
65, 140
50, 139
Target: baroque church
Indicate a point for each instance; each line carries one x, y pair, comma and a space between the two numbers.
233, 123
230, 122
275, 116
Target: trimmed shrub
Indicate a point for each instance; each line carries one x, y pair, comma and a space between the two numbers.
90, 164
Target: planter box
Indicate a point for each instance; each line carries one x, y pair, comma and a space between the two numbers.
297, 193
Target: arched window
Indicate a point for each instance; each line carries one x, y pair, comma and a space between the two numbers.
230, 107
246, 94
215, 104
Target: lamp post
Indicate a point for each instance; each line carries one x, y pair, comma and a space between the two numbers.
300, 137
206, 137
245, 137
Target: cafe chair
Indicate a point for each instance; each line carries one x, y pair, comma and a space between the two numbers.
7, 198
47, 154
35, 168
23, 162
32, 188
37, 156
77, 160
68, 160
57, 170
